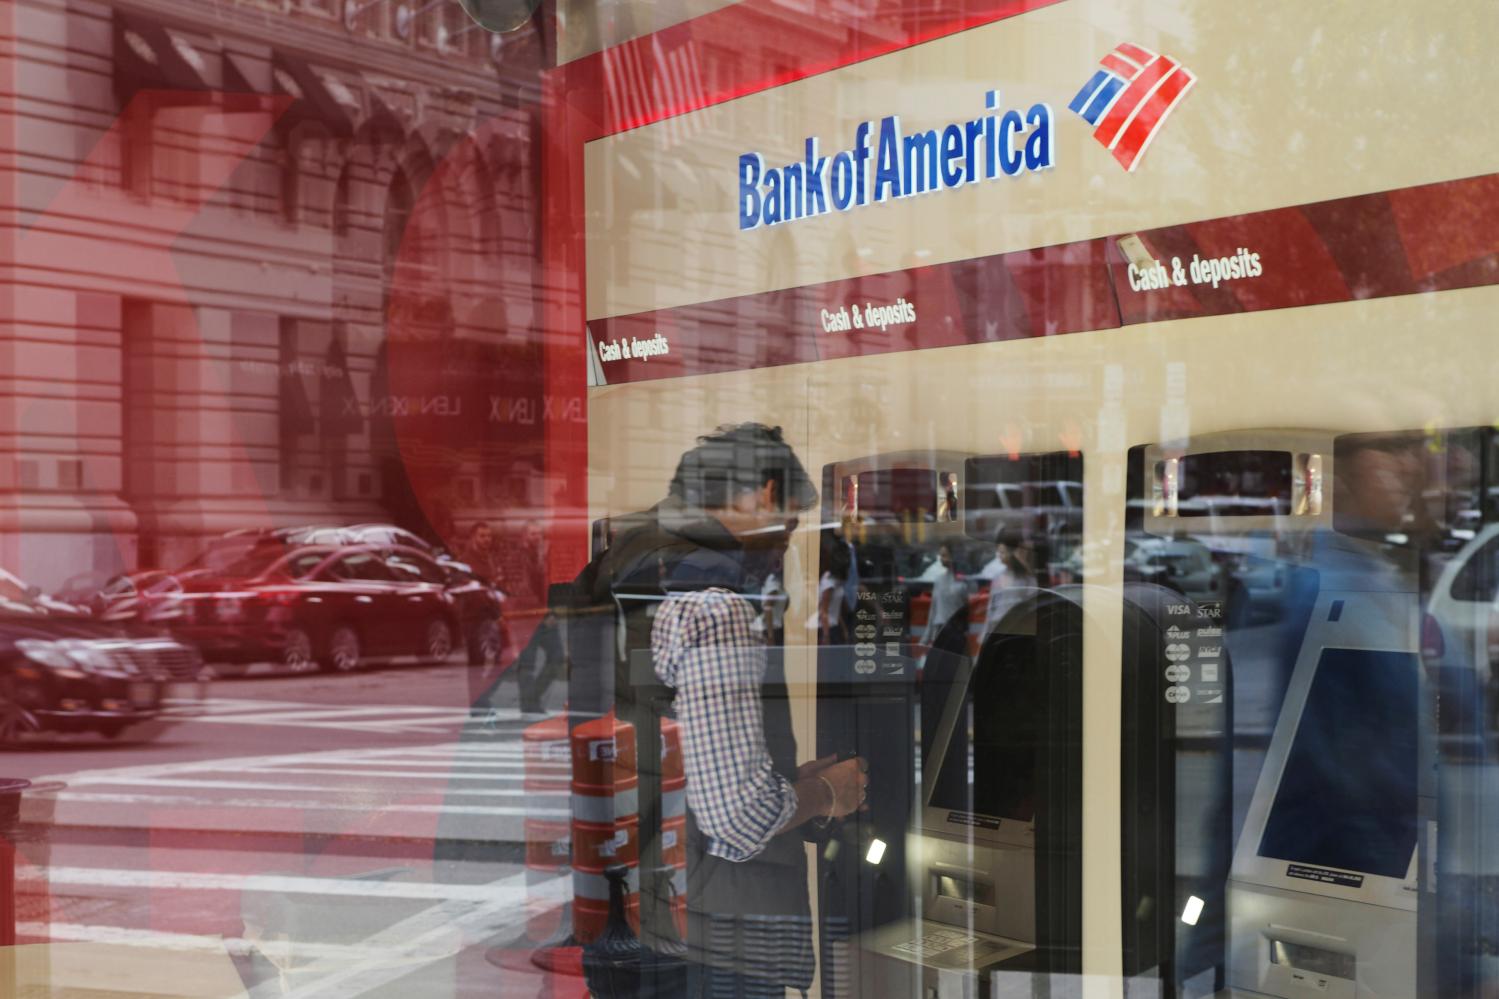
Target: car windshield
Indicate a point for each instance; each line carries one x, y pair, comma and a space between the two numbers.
412, 566
252, 563
224, 554
363, 566
1044, 494
301, 565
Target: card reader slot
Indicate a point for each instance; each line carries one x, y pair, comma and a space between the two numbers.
961, 883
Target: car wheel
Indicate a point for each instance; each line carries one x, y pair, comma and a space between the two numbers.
16, 722
342, 654
438, 643
296, 652
485, 643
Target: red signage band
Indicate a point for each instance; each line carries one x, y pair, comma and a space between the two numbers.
1434, 237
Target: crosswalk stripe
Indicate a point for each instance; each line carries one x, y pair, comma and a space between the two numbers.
343, 726
278, 884
420, 719
134, 936
231, 763
231, 703
173, 782
397, 712
421, 765
331, 772
460, 916
180, 801
456, 751
421, 939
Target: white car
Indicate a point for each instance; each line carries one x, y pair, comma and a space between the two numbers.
1459, 630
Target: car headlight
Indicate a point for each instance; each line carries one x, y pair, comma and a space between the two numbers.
96, 658
45, 653
68, 655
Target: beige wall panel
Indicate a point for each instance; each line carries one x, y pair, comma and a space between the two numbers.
1294, 103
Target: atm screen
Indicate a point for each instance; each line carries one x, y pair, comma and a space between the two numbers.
897, 494
1347, 795
988, 766
1235, 483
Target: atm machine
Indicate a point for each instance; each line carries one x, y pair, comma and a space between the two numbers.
975, 866
1331, 799
1325, 883
1322, 899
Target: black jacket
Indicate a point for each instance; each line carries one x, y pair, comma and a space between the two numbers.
748, 918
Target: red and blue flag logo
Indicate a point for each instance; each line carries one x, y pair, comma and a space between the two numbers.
1128, 99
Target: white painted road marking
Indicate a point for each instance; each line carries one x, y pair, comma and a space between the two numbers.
278, 884
105, 798
432, 719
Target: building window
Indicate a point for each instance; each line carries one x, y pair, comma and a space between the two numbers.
291, 189
375, 18
343, 202
397, 213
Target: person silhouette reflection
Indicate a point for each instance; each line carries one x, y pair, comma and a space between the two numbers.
706, 550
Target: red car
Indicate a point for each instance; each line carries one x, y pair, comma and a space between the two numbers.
327, 606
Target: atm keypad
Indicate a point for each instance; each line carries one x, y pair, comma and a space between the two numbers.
935, 942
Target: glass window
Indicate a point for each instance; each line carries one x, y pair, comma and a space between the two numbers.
487, 484
362, 566
410, 566
300, 565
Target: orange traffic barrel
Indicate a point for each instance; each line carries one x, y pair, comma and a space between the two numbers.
604, 783
544, 750
605, 825
547, 766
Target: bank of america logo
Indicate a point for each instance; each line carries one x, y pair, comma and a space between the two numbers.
1128, 99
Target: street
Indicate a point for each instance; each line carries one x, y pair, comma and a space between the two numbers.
303, 835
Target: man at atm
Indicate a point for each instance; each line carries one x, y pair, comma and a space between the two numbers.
730, 509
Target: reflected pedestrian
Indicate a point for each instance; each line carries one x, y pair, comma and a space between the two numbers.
543, 658
832, 590
706, 550
947, 503
947, 620
479, 553
1012, 574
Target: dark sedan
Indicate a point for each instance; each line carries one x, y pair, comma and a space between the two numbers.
323, 606
72, 674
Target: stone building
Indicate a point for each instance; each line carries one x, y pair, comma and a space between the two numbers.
265, 262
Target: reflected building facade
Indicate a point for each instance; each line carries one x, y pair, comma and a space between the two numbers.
269, 264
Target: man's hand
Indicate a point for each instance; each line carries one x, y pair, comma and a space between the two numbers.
812, 768
850, 781
828, 788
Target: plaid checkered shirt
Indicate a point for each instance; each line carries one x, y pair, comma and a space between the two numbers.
705, 648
